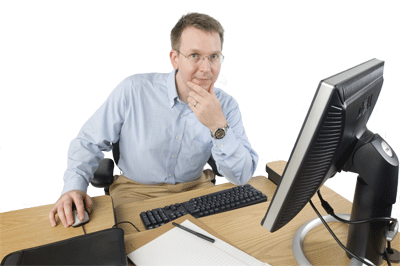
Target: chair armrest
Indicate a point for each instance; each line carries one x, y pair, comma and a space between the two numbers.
211, 162
104, 175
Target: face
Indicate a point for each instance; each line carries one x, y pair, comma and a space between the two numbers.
203, 73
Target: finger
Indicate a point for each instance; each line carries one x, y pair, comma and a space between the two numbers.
191, 85
196, 88
192, 101
61, 215
195, 105
191, 105
195, 96
67, 210
198, 95
80, 207
89, 204
52, 216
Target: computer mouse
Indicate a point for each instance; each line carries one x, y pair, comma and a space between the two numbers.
78, 222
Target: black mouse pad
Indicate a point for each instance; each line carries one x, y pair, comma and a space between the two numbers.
104, 247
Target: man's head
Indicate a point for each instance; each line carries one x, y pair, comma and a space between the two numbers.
200, 21
196, 52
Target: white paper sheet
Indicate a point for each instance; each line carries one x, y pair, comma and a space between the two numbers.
178, 247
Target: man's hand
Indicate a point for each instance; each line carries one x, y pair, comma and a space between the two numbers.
206, 106
63, 207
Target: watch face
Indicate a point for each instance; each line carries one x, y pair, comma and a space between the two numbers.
220, 133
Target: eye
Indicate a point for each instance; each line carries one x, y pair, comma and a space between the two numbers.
214, 56
194, 56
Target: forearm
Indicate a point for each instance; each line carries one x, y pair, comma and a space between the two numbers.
97, 135
235, 158
83, 160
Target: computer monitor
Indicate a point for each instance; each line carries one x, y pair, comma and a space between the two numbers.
334, 137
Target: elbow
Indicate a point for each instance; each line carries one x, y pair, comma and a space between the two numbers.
239, 178
244, 179
247, 172
240, 172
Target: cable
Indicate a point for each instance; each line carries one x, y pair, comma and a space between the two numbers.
337, 240
125, 222
330, 211
387, 256
389, 247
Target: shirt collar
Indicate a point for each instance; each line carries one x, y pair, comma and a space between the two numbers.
172, 92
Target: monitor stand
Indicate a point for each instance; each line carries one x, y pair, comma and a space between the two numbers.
376, 189
298, 239
375, 193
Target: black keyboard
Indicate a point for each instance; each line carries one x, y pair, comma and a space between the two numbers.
222, 201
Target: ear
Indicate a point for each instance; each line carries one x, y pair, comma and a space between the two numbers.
173, 55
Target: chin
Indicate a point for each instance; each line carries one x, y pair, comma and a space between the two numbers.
205, 84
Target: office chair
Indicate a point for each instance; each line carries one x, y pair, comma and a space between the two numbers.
103, 177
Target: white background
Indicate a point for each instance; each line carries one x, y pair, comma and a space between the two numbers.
59, 60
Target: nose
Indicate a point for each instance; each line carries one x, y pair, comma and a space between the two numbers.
205, 64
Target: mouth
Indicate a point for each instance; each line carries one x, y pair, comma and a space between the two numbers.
203, 82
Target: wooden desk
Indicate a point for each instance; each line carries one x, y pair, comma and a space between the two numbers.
242, 227
31, 227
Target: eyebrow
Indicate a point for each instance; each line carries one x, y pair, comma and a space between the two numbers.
191, 51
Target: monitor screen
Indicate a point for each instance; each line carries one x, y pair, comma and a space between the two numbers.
334, 129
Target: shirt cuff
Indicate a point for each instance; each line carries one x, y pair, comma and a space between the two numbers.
225, 146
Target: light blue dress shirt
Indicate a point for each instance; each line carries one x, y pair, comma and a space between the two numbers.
160, 138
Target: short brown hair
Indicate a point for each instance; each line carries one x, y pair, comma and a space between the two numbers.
200, 21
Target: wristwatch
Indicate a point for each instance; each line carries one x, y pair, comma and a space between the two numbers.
219, 133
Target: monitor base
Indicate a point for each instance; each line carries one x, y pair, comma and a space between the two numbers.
394, 256
298, 239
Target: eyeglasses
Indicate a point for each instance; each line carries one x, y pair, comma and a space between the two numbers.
195, 58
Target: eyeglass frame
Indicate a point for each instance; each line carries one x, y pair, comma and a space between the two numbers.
221, 57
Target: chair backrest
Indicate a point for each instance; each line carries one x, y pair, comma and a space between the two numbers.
115, 151
116, 155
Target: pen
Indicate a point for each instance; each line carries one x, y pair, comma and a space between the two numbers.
194, 232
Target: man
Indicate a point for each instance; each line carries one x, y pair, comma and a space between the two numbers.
167, 125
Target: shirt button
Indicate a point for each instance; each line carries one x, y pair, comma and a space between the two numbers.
173, 156
170, 175
222, 146
181, 116
177, 137
215, 145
